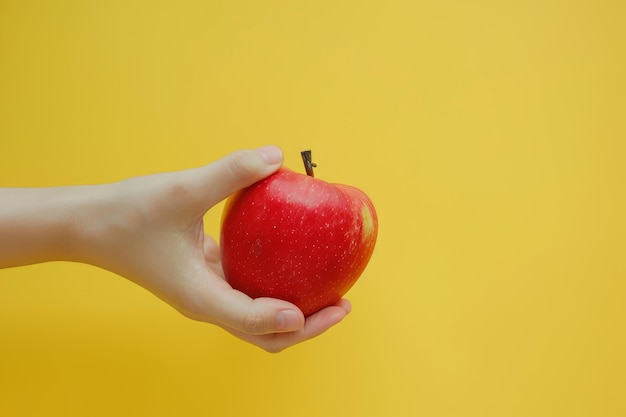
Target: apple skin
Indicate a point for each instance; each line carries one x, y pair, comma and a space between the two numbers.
297, 238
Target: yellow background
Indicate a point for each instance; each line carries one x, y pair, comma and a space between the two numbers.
489, 134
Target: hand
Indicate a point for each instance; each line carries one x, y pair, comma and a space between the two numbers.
150, 230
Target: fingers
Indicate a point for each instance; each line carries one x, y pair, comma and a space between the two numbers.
233, 309
315, 325
318, 323
216, 181
269, 323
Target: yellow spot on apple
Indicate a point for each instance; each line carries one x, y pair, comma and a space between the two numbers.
368, 222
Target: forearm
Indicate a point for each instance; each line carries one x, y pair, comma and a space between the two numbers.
39, 224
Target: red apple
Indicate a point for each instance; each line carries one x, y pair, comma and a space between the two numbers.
298, 238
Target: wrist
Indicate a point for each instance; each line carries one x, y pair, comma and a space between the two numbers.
89, 223
38, 224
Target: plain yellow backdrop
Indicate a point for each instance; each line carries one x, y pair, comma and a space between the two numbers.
489, 134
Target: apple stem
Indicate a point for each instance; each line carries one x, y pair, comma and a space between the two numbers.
308, 163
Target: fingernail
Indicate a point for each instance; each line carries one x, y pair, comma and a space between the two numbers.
288, 320
272, 154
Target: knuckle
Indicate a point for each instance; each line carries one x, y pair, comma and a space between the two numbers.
243, 165
254, 324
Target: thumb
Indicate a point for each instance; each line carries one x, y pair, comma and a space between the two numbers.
235, 171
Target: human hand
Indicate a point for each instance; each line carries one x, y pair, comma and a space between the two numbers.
150, 230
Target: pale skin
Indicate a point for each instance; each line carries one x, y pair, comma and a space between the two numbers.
150, 230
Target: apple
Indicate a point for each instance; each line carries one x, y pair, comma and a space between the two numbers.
297, 238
